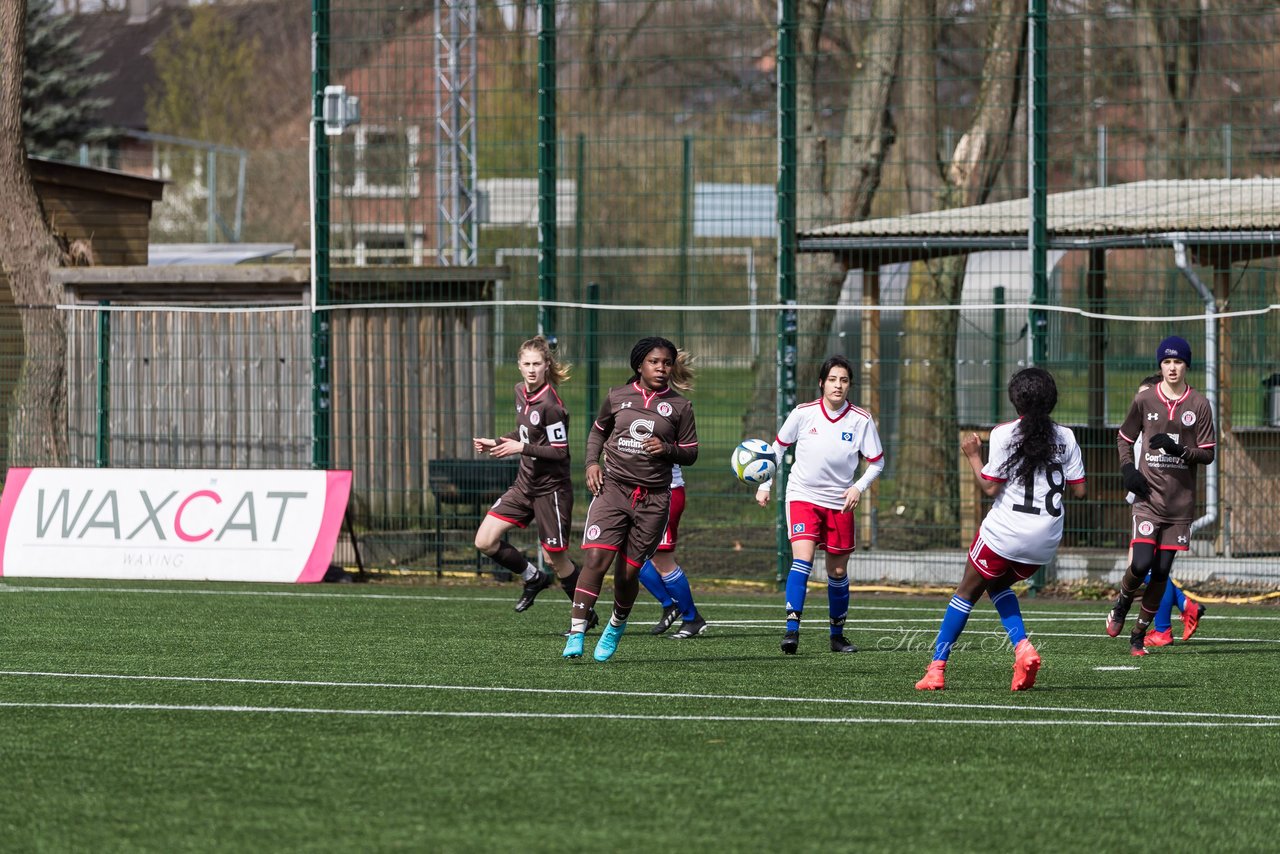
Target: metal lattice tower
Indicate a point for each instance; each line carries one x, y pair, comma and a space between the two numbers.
455, 137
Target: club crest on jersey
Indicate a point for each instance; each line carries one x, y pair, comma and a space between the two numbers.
1146, 528
535, 417
664, 409
1188, 418
797, 528
846, 437
593, 533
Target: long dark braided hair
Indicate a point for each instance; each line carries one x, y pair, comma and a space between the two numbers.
681, 376
1033, 394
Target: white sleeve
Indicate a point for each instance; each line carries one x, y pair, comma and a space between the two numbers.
871, 449
874, 468
998, 453
789, 431
777, 459
1074, 468
787, 436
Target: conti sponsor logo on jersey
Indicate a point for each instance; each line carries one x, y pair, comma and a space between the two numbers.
641, 429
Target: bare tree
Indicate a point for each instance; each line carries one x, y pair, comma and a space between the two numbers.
29, 253
1169, 61
843, 185
606, 70
920, 106
928, 484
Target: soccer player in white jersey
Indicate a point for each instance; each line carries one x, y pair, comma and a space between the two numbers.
831, 437
1033, 463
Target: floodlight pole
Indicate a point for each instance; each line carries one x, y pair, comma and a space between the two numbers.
455, 131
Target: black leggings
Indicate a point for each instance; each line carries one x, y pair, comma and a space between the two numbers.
1158, 563
1146, 558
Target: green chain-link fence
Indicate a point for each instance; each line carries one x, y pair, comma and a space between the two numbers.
600, 171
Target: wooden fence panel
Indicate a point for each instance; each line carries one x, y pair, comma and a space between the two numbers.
409, 384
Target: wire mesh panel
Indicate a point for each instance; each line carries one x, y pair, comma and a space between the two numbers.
620, 163
964, 189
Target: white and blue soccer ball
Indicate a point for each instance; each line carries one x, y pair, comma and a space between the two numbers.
753, 461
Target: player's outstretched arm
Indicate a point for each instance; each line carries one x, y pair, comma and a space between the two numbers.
971, 447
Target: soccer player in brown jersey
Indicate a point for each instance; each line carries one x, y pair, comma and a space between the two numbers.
643, 428
542, 492
1175, 424
1161, 633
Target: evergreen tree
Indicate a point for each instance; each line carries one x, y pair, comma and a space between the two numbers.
208, 85
58, 113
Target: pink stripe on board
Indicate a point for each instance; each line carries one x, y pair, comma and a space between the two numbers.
337, 491
8, 500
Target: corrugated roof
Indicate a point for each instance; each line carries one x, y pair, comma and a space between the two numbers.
1142, 207
204, 254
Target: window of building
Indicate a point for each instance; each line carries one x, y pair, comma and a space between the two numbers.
380, 162
374, 245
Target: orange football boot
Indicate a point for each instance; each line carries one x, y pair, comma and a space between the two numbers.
934, 678
1026, 664
1191, 619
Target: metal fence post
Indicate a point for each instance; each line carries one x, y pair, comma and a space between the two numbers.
102, 452
321, 438
547, 168
1038, 153
787, 183
1037, 238
591, 330
997, 352
686, 198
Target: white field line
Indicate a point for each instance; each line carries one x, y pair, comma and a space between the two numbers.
660, 695
857, 606
417, 713
1180, 644
283, 594
934, 620
1047, 616
852, 628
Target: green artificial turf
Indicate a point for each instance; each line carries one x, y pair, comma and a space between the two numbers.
431, 718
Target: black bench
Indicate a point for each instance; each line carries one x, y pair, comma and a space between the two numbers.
473, 483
